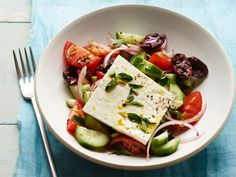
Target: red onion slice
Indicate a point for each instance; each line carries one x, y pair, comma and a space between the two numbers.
82, 75
95, 84
166, 124
108, 56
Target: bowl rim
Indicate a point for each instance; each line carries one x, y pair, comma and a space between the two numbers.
137, 167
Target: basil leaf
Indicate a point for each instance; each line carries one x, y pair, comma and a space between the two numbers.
130, 98
143, 126
125, 77
134, 117
134, 103
78, 120
135, 86
144, 119
113, 75
111, 85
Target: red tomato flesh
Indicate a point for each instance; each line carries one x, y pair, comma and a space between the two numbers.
75, 111
133, 146
78, 56
161, 61
192, 105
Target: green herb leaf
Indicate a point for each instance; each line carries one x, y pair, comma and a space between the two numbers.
113, 75
130, 98
134, 103
79, 120
117, 42
143, 126
125, 77
111, 85
177, 113
132, 91
135, 86
134, 117
147, 121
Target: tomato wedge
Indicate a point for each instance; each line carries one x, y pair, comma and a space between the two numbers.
99, 74
161, 61
192, 105
133, 146
75, 111
78, 56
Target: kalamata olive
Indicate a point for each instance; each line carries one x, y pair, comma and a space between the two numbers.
199, 69
70, 75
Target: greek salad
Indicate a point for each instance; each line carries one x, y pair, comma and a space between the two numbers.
132, 96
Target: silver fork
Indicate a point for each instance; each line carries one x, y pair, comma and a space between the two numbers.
26, 82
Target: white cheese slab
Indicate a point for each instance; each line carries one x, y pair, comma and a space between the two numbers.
108, 107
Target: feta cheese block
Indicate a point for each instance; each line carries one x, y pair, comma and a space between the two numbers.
147, 104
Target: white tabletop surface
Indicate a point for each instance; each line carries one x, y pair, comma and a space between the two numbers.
14, 33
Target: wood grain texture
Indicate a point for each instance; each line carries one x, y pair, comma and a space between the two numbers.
8, 149
14, 35
15, 10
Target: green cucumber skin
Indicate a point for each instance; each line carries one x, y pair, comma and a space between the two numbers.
167, 149
178, 95
145, 66
73, 91
129, 38
70, 102
94, 124
86, 95
159, 140
91, 139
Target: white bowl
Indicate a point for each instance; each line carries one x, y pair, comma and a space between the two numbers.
184, 36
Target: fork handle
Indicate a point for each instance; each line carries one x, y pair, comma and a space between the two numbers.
44, 138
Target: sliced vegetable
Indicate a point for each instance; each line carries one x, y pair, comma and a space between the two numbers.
99, 74
161, 61
86, 96
94, 124
91, 138
85, 87
98, 49
166, 149
131, 145
94, 79
79, 57
159, 140
192, 105
128, 38
146, 67
70, 102
82, 76
73, 91
178, 96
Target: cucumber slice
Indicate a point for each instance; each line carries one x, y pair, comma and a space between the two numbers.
190, 82
86, 96
70, 102
85, 87
145, 66
91, 138
171, 78
129, 38
167, 148
92, 123
94, 79
159, 140
73, 91
178, 96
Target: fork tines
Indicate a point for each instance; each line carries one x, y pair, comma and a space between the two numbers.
27, 69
